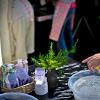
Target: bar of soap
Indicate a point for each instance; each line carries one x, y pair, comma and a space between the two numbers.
98, 67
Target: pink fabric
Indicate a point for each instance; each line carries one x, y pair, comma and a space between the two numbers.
73, 5
61, 12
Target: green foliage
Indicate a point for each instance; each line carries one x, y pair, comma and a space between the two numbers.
51, 60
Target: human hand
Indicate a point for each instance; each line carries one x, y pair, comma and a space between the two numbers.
92, 61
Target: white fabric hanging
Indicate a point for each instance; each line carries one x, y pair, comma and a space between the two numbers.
0, 54
16, 29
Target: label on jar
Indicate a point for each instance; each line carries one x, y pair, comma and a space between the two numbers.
41, 89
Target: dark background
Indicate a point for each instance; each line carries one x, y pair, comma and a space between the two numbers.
87, 45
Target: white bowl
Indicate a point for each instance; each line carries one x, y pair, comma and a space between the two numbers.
82, 87
16, 96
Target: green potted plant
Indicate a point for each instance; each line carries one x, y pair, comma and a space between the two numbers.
51, 61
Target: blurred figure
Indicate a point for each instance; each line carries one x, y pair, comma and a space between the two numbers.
93, 62
62, 25
66, 39
16, 29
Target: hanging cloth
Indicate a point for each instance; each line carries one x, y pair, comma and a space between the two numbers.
61, 11
16, 29
0, 55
